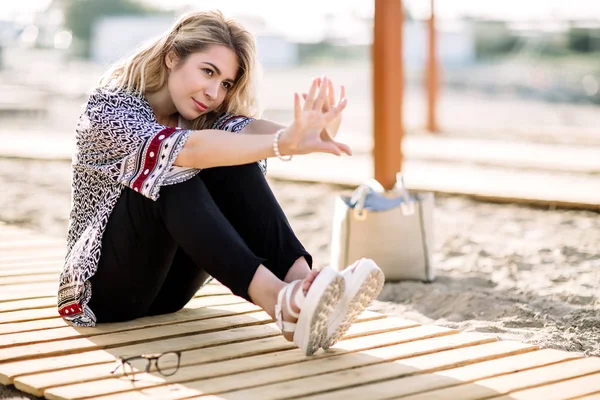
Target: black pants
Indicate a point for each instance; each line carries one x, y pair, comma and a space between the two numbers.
224, 222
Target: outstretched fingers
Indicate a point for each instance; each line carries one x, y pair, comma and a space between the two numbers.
297, 107
335, 111
310, 98
331, 148
344, 148
342, 94
322, 95
331, 96
334, 147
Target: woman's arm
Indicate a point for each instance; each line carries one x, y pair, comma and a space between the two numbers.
261, 127
214, 148
266, 127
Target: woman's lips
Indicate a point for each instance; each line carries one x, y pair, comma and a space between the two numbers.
201, 106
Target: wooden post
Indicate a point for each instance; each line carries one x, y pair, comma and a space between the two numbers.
432, 73
388, 88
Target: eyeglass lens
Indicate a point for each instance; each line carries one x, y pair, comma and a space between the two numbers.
168, 363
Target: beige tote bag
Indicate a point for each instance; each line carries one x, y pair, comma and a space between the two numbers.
393, 228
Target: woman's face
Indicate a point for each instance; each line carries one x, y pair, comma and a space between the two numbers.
200, 84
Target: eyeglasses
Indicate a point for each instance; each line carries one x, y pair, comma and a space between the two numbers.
166, 364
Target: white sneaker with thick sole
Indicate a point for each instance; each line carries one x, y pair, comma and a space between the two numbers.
364, 281
322, 298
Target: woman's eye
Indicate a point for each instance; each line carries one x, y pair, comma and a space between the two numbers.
208, 72
227, 85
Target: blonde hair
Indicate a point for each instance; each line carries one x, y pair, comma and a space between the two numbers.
145, 70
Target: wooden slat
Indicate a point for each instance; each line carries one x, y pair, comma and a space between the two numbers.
28, 288
198, 308
33, 262
385, 325
46, 302
56, 261
35, 384
36, 291
33, 315
31, 256
129, 337
58, 329
569, 389
290, 361
312, 367
594, 396
52, 323
512, 382
18, 305
28, 291
32, 252
384, 371
39, 314
26, 272
429, 381
38, 278
31, 243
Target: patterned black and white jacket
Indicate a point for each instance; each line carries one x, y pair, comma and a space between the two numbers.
119, 144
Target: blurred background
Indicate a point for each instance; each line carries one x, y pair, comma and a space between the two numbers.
528, 70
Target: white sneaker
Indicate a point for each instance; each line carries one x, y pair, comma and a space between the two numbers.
316, 307
364, 281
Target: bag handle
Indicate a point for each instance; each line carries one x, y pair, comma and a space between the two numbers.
358, 199
372, 185
359, 196
408, 205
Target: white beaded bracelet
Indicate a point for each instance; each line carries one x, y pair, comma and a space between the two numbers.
276, 146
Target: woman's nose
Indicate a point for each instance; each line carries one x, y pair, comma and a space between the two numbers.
212, 90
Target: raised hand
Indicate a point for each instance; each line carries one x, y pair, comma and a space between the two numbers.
303, 136
332, 129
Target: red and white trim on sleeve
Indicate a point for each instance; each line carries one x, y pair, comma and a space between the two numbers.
70, 309
151, 157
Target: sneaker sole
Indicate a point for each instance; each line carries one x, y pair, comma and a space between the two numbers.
312, 324
368, 291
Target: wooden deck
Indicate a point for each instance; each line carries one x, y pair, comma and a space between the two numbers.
232, 350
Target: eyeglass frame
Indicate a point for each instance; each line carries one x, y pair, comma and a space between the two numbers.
149, 357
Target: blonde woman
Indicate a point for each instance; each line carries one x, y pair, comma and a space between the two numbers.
169, 189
